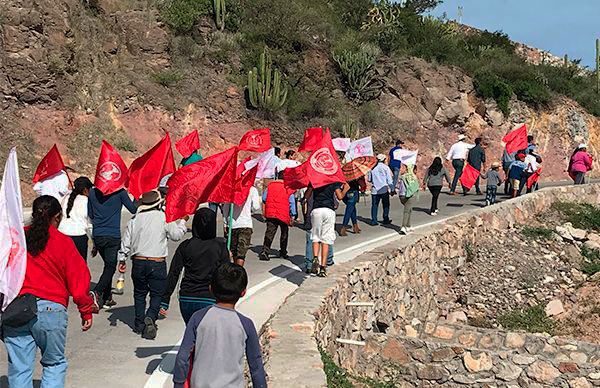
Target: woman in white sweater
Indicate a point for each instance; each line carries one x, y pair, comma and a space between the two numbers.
75, 222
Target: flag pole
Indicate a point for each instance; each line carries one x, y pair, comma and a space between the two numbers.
229, 225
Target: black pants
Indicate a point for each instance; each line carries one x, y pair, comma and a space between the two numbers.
579, 178
81, 243
149, 277
523, 181
435, 193
108, 248
272, 225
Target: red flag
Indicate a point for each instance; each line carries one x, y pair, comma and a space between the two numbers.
469, 176
312, 139
146, 171
111, 171
516, 139
210, 180
258, 140
245, 180
323, 164
534, 178
50, 165
188, 144
296, 178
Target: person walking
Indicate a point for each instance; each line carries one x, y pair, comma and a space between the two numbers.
408, 192
198, 257
395, 163
75, 222
531, 166
492, 182
458, 153
434, 179
308, 253
241, 226
145, 243
278, 206
381, 185
56, 186
193, 158
476, 158
105, 213
323, 222
514, 173
351, 199
580, 164
507, 159
54, 272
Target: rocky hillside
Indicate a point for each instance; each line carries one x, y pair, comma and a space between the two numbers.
73, 72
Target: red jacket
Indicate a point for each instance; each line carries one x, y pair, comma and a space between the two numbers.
277, 204
57, 272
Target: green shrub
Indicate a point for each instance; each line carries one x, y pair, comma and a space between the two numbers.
491, 86
357, 67
167, 77
337, 377
532, 92
581, 215
532, 319
591, 265
181, 15
535, 232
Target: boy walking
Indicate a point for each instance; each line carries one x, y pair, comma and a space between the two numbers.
493, 181
218, 336
278, 207
242, 225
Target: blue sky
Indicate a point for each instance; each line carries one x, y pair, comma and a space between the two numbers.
559, 26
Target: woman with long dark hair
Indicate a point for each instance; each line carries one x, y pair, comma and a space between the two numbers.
434, 180
54, 272
75, 222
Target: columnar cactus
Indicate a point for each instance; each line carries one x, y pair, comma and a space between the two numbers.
265, 88
350, 128
362, 81
220, 12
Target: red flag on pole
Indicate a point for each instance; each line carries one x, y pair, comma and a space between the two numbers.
516, 139
296, 178
111, 171
312, 139
469, 176
245, 180
258, 140
210, 180
188, 144
323, 164
50, 165
146, 171
534, 178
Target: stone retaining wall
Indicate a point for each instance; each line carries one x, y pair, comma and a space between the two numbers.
403, 281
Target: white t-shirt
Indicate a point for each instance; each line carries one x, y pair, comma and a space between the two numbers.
56, 185
78, 223
459, 150
531, 163
242, 215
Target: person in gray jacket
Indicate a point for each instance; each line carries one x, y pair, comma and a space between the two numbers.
434, 180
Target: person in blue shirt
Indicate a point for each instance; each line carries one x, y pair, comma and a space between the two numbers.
193, 158
105, 213
395, 163
514, 173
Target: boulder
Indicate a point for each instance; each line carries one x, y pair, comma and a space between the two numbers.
456, 316
554, 307
474, 365
564, 233
542, 372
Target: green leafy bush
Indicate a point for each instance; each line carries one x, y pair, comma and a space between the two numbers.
535, 232
336, 376
581, 215
491, 86
167, 77
532, 319
181, 15
591, 265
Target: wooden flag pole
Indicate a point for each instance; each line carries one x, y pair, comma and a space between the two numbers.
229, 225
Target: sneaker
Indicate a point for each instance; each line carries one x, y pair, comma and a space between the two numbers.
95, 305
404, 230
149, 329
487, 203
322, 272
315, 265
263, 256
109, 304
373, 223
386, 222
308, 270
284, 256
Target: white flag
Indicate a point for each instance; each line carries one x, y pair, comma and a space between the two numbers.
360, 147
341, 143
267, 164
13, 251
406, 156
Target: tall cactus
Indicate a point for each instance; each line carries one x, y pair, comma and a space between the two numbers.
350, 129
269, 92
220, 12
357, 67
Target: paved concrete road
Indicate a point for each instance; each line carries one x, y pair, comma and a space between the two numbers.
110, 354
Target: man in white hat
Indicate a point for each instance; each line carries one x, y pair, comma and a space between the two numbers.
382, 184
145, 242
458, 153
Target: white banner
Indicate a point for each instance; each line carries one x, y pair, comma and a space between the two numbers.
13, 250
360, 147
341, 144
267, 164
406, 156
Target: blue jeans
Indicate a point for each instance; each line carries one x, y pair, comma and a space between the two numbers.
458, 165
48, 331
308, 258
385, 200
149, 277
395, 175
351, 199
188, 306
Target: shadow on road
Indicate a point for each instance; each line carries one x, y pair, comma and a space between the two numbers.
282, 271
125, 315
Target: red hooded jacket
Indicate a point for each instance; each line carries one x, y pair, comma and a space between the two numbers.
277, 204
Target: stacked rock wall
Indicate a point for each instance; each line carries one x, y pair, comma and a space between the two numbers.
396, 290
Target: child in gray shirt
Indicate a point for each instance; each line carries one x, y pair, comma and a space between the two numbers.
493, 181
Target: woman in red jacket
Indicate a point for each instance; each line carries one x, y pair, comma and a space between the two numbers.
55, 271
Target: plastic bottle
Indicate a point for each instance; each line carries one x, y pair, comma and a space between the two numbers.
119, 289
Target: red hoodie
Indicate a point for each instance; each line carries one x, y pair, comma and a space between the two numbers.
57, 272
